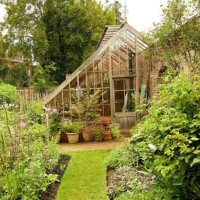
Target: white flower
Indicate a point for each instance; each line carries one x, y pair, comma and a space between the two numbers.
154, 177
152, 147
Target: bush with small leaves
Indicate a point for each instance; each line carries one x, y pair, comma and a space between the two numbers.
122, 156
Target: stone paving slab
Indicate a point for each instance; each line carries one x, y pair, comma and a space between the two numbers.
91, 145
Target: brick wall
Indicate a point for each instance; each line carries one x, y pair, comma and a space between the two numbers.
150, 74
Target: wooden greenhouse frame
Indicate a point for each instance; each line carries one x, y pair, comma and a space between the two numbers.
113, 69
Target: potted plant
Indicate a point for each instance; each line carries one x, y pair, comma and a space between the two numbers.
55, 115
115, 130
72, 131
87, 132
106, 120
55, 130
97, 135
88, 110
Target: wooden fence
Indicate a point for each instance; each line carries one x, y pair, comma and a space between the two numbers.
28, 94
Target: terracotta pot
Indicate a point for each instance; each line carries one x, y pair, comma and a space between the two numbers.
72, 137
87, 135
107, 135
57, 137
105, 120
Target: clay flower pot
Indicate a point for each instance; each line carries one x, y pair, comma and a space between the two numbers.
72, 137
107, 135
105, 120
87, 135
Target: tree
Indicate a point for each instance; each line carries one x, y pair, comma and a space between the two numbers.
25, 31
63, 33
176, 37
73, 29
117, 6
15, 74
41, 80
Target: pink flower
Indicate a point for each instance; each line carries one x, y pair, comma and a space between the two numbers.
22, 123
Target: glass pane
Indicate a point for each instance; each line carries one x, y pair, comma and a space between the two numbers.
106, 95
107, 110
119, 101
119, 84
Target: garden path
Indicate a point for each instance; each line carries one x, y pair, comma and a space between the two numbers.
91, 145
85, 177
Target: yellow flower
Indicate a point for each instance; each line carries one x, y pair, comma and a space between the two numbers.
161, 5
165, 9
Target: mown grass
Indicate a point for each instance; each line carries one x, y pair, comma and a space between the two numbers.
85, 177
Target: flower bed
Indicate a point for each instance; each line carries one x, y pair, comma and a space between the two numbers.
27, 153
51, 191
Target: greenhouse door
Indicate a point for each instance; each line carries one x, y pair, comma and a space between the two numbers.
124, 102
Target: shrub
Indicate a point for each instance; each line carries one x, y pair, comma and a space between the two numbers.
55, 115
115, 130
88, 107
39, 130
25, 156
16, 75
97, 135
35, 111
91, 105
7, 93
55, 128
154, 193
42, 80
120, 157
172, 129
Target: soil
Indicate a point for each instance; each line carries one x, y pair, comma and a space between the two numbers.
110, 174
51, 191
140, 177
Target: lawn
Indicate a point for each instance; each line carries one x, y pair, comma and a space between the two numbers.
85, 177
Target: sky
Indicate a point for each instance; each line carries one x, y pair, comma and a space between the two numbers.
141, 13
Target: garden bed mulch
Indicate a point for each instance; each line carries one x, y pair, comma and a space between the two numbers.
51, 191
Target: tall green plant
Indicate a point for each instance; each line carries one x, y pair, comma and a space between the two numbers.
42, 80
88, 107
171, 133
7, 93
26, 153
